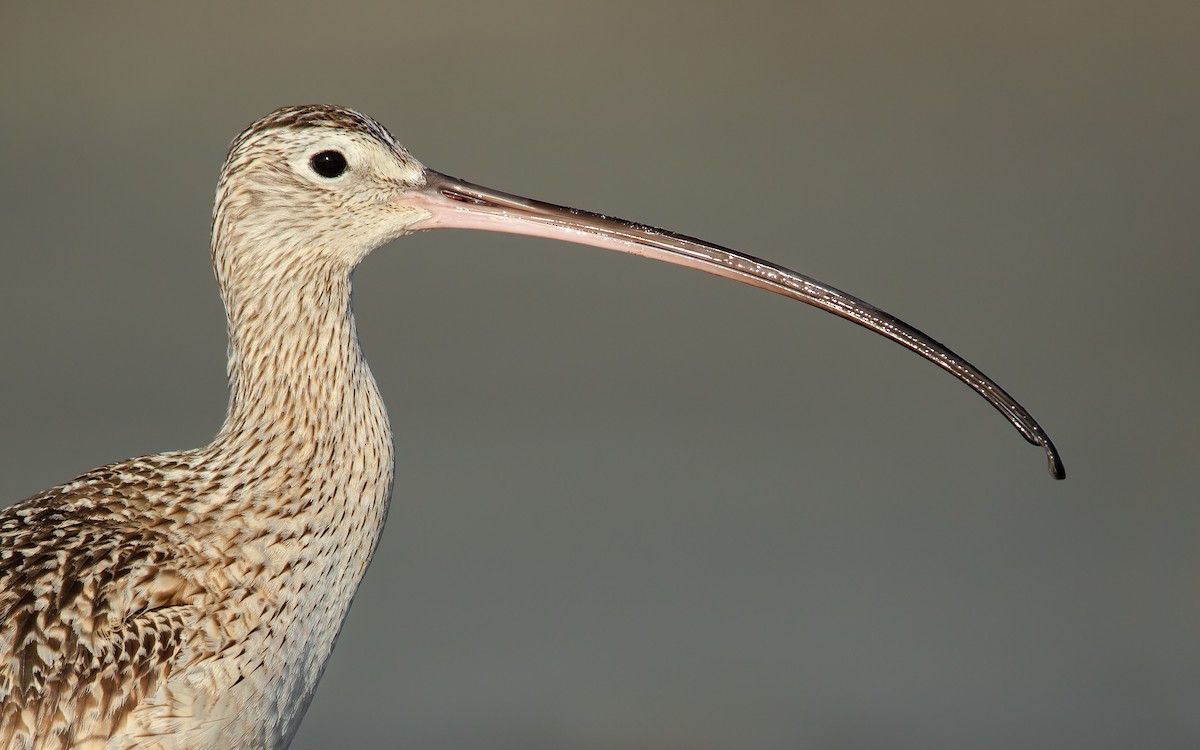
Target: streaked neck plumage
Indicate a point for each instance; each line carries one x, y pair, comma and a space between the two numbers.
306, 450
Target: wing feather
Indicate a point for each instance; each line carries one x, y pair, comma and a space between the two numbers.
92, 617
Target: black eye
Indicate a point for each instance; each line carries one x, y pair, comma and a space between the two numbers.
329, 163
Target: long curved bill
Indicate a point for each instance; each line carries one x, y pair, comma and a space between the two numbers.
453, 203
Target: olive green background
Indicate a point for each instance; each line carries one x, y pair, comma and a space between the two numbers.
638, 507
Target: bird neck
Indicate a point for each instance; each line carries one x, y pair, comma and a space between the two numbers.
305, 461
297, 376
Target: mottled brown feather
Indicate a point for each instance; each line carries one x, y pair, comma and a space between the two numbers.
91, 610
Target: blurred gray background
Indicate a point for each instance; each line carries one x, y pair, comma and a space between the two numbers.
637, 506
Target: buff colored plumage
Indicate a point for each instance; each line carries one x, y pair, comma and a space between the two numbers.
190, 599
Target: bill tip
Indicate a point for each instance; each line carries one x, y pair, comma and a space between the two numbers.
1057, 470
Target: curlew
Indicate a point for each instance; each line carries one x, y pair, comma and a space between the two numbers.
191, 599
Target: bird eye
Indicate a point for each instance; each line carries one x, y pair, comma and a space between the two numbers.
328, 164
